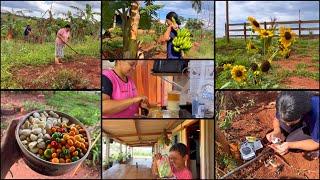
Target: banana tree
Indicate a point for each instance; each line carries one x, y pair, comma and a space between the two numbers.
130, 11
12, 24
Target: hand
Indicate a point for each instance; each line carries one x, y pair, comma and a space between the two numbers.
174, 26
139, 99
282, 149
9, 148
157, 156
272, 134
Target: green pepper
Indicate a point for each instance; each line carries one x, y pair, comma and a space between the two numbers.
47, 153
74, 158
60, 135
42, 157
58, 140
55, 135
66, 152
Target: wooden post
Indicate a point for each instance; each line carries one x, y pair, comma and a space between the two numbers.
245, 31
227, 21
225, 30
299, 28
265, 25
206, 149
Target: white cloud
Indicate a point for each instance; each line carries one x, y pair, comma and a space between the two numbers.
263, 10
38, 8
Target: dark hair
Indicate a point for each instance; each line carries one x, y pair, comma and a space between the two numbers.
174, 15
292, 105
67, 26
179, 147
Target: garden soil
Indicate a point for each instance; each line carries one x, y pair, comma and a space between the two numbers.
87, 69
299, 82
257, 121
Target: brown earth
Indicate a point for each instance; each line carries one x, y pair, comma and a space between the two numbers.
257, 121
302, 83
86, 69
150, 51
299, 82
21, 171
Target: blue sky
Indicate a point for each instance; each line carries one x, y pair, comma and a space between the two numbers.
263, 10
184, 9
39, 7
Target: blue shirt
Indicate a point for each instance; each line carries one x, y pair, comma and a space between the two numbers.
312, 119
171, 53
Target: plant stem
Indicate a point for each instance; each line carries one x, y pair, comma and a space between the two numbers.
264, 47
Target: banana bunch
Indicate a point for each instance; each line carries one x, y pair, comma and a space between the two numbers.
183, 41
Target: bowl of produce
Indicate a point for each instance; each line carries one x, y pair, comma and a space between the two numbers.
51, 142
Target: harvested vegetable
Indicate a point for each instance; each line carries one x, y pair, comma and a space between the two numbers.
164, 168
52, 138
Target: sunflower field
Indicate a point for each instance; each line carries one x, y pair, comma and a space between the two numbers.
255, 63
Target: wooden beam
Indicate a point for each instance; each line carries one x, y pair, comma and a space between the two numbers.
137, 130
141, 134
112, 136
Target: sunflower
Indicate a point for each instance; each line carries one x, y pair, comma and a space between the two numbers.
284, 51
227, 66
265, 66
251, 47
239, 73
254, 66
265, 33
254, 23
257, 73
286, 36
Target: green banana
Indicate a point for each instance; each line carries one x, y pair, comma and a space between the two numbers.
182, 42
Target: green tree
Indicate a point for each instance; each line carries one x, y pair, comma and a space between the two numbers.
194, 24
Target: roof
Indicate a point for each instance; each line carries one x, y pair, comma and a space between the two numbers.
138, 132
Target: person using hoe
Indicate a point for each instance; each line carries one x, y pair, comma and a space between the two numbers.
63, 36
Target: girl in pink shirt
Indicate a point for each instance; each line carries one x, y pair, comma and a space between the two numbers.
178, 156
63, 36
120, 98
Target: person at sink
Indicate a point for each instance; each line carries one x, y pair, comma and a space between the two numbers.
119, 93
297, 119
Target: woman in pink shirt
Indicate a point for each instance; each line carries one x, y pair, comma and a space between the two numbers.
63, 36
120, 97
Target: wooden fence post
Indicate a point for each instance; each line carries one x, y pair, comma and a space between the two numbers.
227, 20
227, 33
299, 28
245, 31
265, 25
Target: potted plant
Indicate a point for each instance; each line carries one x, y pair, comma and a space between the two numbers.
110, 163
120, 158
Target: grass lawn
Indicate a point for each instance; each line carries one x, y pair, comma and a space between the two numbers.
17, 54
84, 106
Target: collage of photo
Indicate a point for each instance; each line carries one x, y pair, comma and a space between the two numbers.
195, 89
